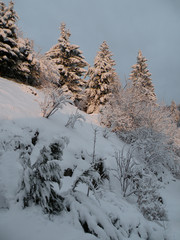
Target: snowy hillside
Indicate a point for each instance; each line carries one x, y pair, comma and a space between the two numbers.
103, 213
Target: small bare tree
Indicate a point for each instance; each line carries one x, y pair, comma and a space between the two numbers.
125, 170
94, 145
54, 99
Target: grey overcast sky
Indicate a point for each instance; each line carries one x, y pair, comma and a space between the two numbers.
127, 25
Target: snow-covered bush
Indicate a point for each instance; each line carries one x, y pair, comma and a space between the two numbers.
38, 180
149, 201
138, 180
109, 218
126, 219
88, 215
14, 141
100, 167
119, 113
93, 176
153, 149
74, 118
127, 110
90, 177
54, 99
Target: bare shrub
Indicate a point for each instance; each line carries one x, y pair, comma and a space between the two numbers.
54, 99
125, 170
138, 179
74, 118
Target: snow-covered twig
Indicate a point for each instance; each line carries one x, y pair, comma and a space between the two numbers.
77, 117
54, 100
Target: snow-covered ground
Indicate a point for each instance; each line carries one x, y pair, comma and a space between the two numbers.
20, 118
171, 195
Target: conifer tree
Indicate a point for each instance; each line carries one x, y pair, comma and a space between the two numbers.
28, 67
70, 63
102, 77
37, 179
8, 37
141, 80
16, 54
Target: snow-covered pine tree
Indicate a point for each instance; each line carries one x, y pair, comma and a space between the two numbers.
70, 62
17, 58
37, 184
28, 66
102, 77
8, 37
141, 80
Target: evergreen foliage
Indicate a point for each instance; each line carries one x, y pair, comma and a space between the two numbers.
17, 59
90, 177
102, 78
37, 182
8, 37
135, 105
70, 63
141, 80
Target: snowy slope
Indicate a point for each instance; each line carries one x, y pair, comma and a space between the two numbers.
171, 195
20, 118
